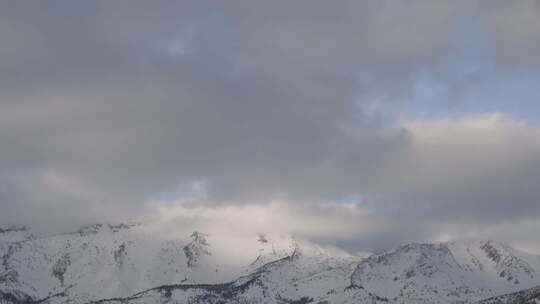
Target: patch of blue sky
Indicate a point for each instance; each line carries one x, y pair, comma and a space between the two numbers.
353, 198
472, 83
515, 94
190, 191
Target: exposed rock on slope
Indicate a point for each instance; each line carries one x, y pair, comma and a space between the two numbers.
197, 247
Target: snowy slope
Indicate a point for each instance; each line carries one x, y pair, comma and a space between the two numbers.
102, 261
456, 272
528, 296
309, 274
127, 263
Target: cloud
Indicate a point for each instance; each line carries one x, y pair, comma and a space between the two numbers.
482, 166
105, 107
325, 223
512, 29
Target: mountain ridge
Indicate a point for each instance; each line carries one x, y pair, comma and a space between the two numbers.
106, 263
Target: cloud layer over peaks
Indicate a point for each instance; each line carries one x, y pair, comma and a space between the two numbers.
114, 110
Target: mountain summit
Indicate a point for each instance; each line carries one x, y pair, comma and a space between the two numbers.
126, 263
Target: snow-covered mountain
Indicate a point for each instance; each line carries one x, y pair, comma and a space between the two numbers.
528, 296
127, 263
456, 272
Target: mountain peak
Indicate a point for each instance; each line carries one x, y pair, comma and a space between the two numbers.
195, 249
116, 261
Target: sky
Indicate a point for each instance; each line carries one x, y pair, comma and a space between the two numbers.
361, 124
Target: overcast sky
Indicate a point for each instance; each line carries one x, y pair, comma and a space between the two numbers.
364, 124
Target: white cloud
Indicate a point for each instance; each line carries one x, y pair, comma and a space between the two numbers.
316, 220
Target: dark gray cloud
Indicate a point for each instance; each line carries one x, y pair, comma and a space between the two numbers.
105, 106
